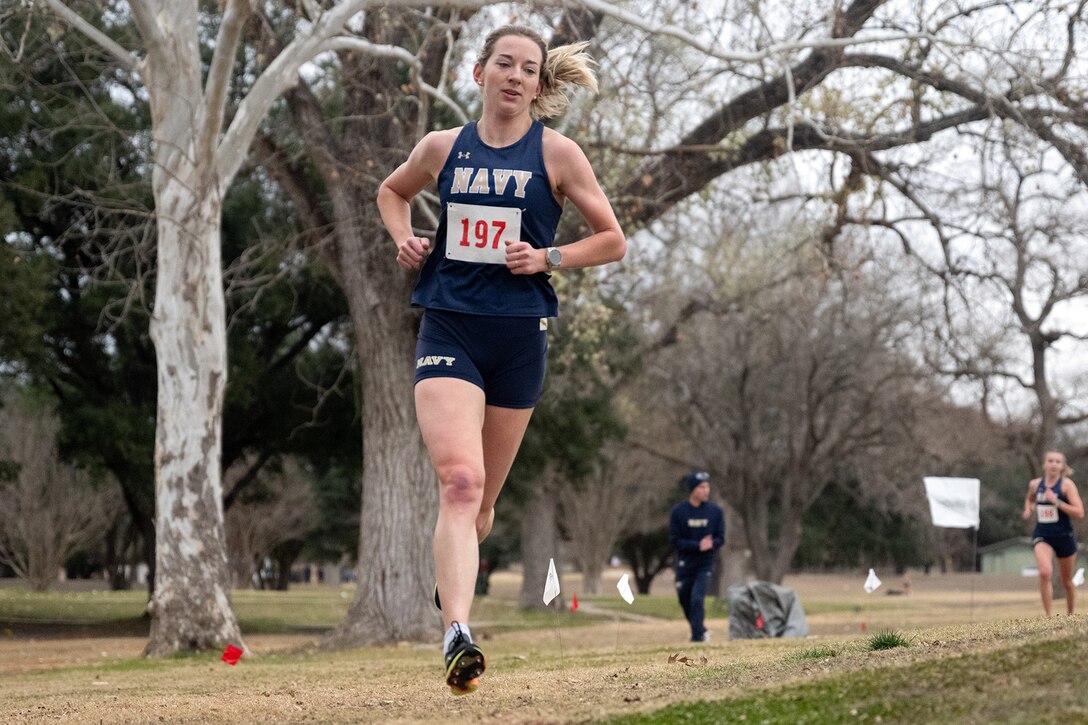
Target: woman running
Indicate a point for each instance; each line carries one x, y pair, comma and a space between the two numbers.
484, 286
1055, 500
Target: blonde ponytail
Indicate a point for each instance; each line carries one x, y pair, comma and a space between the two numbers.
565, 67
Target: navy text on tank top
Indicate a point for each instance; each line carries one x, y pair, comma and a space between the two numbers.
512, 177
1063, 525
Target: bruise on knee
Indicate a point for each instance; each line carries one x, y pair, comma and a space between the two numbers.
461, 488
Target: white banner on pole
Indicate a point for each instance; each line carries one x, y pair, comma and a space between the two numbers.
953, 502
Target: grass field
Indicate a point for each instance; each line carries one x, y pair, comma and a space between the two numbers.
977, 650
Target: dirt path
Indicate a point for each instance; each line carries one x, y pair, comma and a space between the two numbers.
591, 608
571, 674
577, 675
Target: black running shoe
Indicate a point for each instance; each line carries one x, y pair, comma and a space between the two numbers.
464, 663
437, 601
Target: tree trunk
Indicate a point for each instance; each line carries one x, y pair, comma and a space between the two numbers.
190, 608
648, 554
147, 548
286, 555
758, 537
393, 600
117, 557
789, 539
195, 159
733, 557
538, 544
591, 576
1045, 438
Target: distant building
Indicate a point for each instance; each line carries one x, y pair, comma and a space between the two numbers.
1011, 556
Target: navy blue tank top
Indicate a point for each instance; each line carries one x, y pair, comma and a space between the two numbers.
511, 177
1064, 525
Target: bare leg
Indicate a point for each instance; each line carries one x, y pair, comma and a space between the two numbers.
451, 417
1065, 570
504, 429
472, 448
1044, 557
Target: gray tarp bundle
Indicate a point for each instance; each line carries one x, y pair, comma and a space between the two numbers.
763, 609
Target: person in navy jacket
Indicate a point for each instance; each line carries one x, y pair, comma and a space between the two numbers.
485, 286
696, 531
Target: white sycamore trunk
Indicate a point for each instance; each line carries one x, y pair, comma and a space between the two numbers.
195, 161
190, 607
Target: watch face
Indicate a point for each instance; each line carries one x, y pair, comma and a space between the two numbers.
554, 257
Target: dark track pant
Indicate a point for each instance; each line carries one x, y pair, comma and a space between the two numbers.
691, 590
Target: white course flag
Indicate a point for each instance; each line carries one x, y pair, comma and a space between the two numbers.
871, 582
1078, 578
953, 502
551, 585
625, 590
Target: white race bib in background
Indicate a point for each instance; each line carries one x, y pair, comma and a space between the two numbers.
1048, 513
478, 234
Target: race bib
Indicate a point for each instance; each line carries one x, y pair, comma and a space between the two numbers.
1048, 513
478, 234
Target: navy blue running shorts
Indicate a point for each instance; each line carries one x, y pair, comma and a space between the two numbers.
506, 357
1063, 544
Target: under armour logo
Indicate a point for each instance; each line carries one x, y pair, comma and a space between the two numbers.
463, 154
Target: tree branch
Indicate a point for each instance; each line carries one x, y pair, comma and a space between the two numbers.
128, 58
659, 184
1072, 419
391, 51
290, 178
1001, 106
219, 74
280, 75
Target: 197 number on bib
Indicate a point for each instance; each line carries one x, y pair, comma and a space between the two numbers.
476, 233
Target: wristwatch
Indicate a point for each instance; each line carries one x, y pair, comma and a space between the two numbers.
554, 257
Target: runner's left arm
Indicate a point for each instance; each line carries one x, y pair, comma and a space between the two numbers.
574, 179
1074, 507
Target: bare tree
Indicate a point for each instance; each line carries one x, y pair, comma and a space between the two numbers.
596, 513
50, 509
784, 386
977, 148
1016, 261
278, 508
799, 121
347, 137
197, 151
992, 85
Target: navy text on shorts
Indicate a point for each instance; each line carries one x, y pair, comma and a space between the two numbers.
506, 357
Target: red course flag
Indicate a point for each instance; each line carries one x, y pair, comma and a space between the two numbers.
574, 603
759, 621
231, 654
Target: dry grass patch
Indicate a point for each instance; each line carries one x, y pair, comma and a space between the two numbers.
570, 674
528, 679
